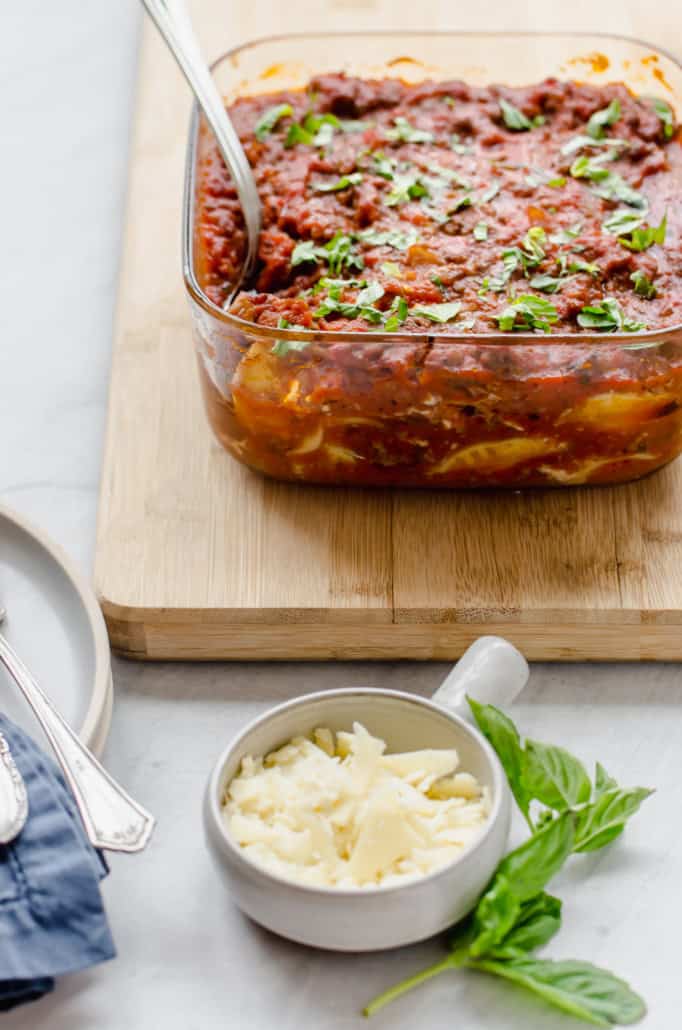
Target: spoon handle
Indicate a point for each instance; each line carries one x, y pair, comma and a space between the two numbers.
491, 671
111, 818
13, 796
173, 22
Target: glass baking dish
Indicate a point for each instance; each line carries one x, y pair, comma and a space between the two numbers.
405, 409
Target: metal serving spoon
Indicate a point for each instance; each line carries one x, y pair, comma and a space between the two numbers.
173, 22
111, 818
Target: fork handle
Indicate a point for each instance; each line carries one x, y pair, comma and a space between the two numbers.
111, 818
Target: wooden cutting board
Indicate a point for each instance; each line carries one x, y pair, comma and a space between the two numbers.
198, 558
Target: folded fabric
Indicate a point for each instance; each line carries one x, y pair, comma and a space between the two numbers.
52, 919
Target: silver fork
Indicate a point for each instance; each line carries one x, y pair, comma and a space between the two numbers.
111, 818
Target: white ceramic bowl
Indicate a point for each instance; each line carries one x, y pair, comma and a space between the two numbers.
367, 919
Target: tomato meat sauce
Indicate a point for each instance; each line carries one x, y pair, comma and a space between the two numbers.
491, 260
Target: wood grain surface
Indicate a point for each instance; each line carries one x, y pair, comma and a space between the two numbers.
197, 558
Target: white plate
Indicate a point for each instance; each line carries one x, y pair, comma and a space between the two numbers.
55, 625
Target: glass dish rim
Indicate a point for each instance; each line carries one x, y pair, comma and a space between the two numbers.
630, 341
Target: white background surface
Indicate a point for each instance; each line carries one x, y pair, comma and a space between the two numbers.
187, 959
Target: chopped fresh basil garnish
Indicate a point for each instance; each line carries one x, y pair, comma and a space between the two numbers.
397, 313
608, 184
547, 283
405, 188
513, 118
339, 254
607, 116
450, 176
581, 142
340, 184
297, 134
490, 193
541, 177
567, 235
646, 236
459, 204
607, 317
406, 133
576, 265
480, 231
361, 307
282, 347
305, 252
440, 313
623, 220
383, 166
527, 312
665, 113
399, 239
268, 120
643, 285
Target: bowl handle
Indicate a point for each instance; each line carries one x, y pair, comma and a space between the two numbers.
492, 671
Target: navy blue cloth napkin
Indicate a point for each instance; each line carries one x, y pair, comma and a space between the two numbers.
52, 919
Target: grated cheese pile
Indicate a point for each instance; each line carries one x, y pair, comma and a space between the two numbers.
340, 812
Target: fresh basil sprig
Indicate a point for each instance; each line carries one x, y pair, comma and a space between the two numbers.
607, 116
516, 916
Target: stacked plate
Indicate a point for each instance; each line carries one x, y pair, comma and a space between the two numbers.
55, 625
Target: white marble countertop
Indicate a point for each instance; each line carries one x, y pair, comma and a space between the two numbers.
187, 959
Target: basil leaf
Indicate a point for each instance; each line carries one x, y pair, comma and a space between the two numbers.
398, 312
396, 238
501, 733
643, 285
494, 916
406, 133
581, 142
382, 166
541, 177
480, 232
490, 193
371, 293
665, 113
406, 187
607, 317
521, 875
297, 134
609, 185
341, 254
305, 252
440, 313
268, 120
623, 220
599, 822
547, 283
567, 235
592, 994
602, 781
533, 864
282, 347
603, 118
341, 184
527, 312
513, 118
575, 265
643, 238
554, 776
459, 204
539, 919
